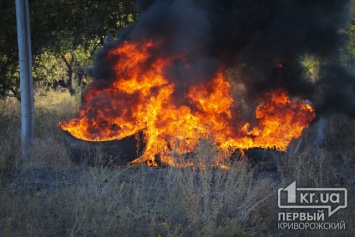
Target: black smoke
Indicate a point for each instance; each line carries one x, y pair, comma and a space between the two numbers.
263, 40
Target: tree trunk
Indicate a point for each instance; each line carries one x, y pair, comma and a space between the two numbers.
71, 81
71, 74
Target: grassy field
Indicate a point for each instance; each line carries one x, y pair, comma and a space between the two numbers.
47, 195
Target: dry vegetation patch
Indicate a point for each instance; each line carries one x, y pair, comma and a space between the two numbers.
49, 196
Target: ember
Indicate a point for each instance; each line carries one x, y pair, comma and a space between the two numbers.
140, 97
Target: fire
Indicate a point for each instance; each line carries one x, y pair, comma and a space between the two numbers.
140, 97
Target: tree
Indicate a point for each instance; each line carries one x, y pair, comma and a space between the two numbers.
80, 28
9, 76
348, 52
62, 28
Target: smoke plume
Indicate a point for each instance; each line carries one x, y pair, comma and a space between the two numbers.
260, 41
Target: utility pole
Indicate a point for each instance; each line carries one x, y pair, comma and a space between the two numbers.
26, 81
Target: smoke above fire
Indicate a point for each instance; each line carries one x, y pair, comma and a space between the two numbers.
229, 71
259, 42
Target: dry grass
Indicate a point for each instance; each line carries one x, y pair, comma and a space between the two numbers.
49, 196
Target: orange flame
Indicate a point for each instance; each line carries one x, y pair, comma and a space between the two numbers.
140, 98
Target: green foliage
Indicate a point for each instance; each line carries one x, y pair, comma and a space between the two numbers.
348, 52
48, 68
311, 66
59, 29
8, 47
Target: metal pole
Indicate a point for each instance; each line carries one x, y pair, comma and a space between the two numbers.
26, 81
